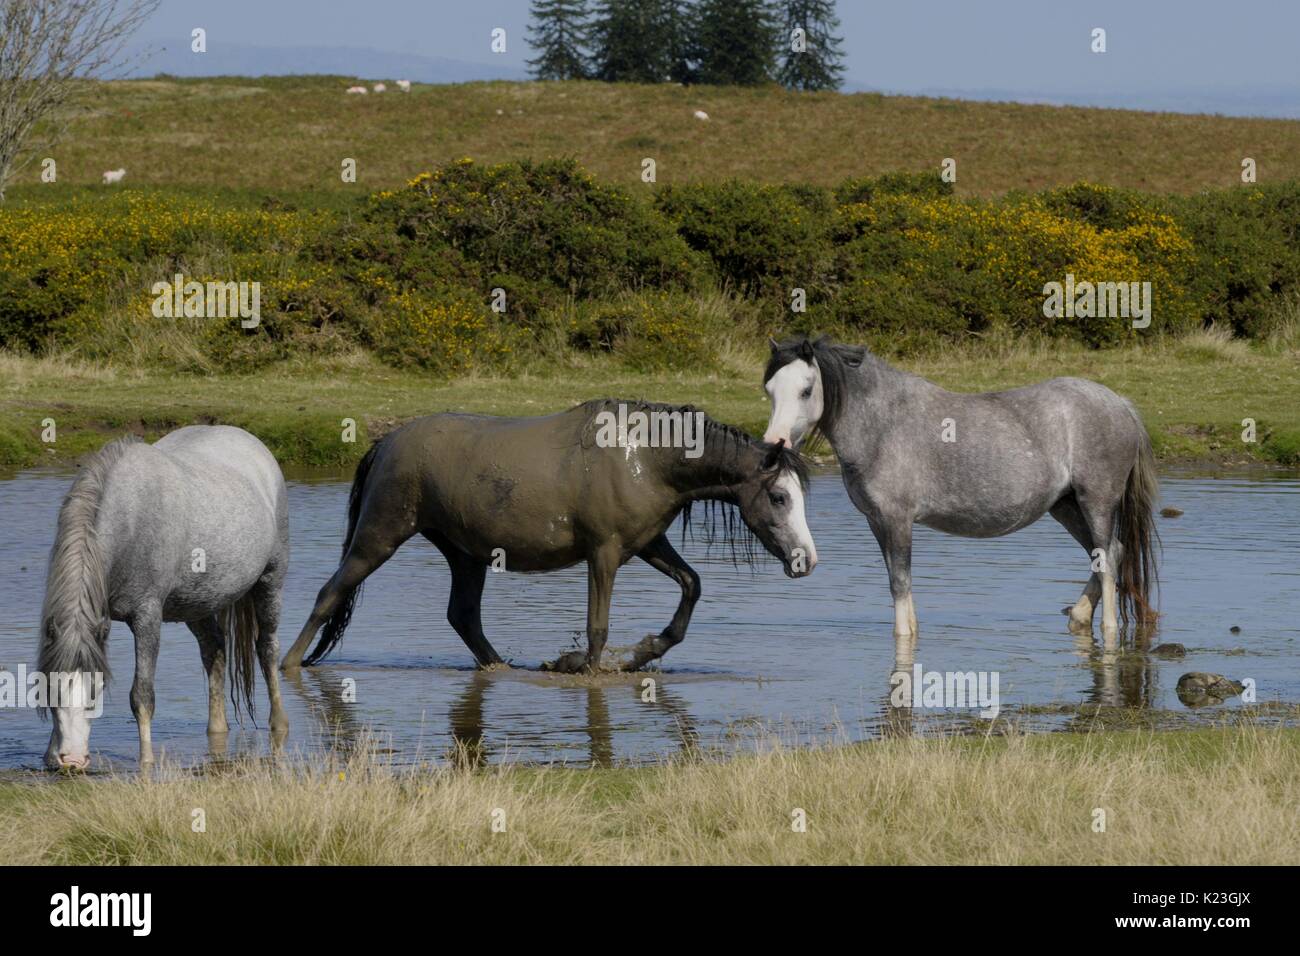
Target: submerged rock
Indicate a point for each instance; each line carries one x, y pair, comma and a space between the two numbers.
1169, 652
1170, 512
1197, 689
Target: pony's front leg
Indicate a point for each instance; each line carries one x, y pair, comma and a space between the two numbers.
601, 568
146, 625
662, 556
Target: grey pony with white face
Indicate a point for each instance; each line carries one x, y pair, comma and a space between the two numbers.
979, 465
544, 493
193, 528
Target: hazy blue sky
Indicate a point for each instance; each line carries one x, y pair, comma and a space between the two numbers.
1202, 54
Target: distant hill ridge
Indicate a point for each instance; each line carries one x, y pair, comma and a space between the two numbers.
293, 132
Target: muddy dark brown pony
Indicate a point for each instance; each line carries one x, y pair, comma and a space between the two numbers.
545, 493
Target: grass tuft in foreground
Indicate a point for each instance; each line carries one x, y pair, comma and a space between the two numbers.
1212, 796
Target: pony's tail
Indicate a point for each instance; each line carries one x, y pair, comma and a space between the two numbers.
1138, 576
338, 622
239, 625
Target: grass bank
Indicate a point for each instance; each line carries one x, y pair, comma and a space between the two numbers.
1213, 796
291, 133
1193, 393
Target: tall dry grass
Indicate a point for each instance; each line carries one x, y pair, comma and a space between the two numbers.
1196, 797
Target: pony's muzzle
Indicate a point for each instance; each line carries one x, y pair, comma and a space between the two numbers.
68, 761
800, 567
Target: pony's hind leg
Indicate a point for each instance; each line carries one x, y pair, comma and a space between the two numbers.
601, 568
1066, 511
662, 556
464, 607
266, 605
1100, 517
146, 625
364, 556
212, 648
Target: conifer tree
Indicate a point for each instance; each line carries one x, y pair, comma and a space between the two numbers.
819, 64
627, 42
736, 41
559, 33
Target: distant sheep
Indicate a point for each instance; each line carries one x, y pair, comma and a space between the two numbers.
361, 90
380, 88
113, 176
701, 115
404, 85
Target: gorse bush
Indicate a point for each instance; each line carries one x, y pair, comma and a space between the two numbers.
651, 331
550, 224
917, 269
1246, 243
762, 239
473, 265
452, 332
59, 264
866, 188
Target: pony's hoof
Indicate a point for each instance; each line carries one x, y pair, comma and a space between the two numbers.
573, 662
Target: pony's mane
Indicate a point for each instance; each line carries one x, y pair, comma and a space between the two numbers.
729, 437
74, 618
722, 521
834, 361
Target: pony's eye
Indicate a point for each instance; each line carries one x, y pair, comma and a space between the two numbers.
806, 393
777, 499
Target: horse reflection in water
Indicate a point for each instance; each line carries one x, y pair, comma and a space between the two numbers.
471, 744
1121, 676
469, 725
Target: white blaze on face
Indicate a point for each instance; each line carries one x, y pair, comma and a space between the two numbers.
794, 537
70, 738
796, 395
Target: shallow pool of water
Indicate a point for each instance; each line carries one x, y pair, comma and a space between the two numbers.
808, 658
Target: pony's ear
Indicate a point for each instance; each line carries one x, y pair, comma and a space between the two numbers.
806, 350
776, 346
773, 456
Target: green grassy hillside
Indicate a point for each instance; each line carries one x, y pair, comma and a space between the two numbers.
292, 133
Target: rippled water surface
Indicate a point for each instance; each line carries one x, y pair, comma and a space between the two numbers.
809, 658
